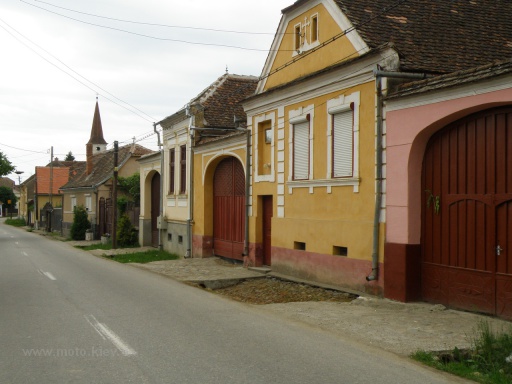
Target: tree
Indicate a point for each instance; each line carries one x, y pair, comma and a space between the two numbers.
80, 224
5, 165
6, 195
69, 157
126, 232
131, 185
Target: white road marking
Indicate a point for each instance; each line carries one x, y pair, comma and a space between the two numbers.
25, 254
107, 334
16, 242
47, 274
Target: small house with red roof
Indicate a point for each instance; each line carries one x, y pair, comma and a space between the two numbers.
47, 196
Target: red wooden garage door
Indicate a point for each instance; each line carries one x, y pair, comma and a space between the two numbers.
467, 214
229, 209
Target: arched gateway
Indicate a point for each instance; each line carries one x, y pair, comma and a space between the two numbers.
467, 214
229, 209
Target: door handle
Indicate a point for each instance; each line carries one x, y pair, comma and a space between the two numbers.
498, 250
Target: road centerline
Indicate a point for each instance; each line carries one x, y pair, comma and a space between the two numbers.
47, 274
107, 334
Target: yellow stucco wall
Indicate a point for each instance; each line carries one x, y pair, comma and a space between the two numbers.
323, 219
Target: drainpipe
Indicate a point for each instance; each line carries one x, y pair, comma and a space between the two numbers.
161, 211
191, 184
379, 74
247, 190
247, 185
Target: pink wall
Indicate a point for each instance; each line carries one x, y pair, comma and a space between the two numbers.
327, 269
407, 133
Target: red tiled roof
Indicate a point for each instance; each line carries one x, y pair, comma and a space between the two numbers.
103, 166
6, 182
453, 79
221, 101
436, 36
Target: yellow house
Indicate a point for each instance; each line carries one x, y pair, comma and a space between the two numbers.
26, 203
315, 204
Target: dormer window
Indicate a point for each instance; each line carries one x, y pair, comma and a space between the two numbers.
297, 37
314, 28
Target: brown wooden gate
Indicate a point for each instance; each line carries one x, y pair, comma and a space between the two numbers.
467, 214
105, 219
229, 209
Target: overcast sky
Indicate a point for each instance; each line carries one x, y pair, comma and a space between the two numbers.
44, 42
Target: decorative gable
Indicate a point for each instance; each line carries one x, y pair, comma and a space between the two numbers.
311, 36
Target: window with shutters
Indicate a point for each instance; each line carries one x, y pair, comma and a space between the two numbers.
172, 171
183, 169
343, 141
301, 150
342, 144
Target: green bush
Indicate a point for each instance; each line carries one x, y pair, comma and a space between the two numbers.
126, 232
80, 224
16, 222
122, 205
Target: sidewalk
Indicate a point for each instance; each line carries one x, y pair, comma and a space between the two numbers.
397, 327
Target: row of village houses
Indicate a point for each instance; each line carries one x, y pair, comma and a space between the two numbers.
374, 152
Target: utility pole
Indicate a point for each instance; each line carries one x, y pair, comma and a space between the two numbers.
19, 186
114, 198
48, 217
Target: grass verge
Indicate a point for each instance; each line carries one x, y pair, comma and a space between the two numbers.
16, 222
489, 361
92, 247
145, 257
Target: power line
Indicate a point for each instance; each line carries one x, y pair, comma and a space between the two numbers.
156, 24
21, 149
147, 36
73, 77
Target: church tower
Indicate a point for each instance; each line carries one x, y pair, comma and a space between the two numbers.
97, 143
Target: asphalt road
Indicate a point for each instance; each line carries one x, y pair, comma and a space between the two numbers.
69, 317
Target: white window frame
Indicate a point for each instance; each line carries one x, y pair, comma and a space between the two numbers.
342, 141
301, 143
298, 116
334, 106
311, 41
73, 203
257, 121
297, 39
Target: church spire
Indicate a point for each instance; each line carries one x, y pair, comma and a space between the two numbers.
97, 143
96, 130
